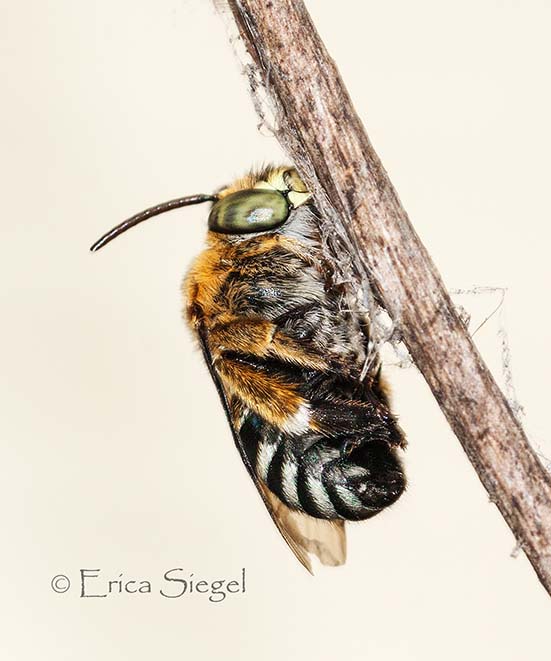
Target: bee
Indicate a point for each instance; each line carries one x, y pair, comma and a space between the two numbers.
312, 425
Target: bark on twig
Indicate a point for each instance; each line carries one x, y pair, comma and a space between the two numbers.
322, 134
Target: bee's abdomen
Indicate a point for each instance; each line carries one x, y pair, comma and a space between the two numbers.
320, 477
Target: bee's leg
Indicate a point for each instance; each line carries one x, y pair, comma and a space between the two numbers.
363, 422
262, 339
271, 395
349, 445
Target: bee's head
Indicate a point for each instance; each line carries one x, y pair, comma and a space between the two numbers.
258, 202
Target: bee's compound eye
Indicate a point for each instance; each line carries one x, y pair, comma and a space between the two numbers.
248, 211
294, 182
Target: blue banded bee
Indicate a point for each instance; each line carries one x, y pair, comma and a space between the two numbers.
313, 429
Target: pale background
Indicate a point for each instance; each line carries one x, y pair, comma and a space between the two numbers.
115, 452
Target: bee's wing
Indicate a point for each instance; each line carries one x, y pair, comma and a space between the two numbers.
304, 534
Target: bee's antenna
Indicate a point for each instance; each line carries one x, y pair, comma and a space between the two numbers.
149, 213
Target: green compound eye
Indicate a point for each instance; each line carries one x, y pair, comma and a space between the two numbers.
249, 211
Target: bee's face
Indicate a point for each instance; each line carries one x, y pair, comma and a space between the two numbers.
258, 204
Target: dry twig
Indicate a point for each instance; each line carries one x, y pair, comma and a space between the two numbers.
322, 134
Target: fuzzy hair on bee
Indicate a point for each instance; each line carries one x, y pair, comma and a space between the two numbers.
313, 426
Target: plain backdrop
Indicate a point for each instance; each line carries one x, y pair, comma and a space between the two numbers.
114, 449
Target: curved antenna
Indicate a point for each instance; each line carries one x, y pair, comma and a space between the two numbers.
149, 213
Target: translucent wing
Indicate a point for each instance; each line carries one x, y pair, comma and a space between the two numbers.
306, 535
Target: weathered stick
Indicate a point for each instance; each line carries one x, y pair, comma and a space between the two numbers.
322, 134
